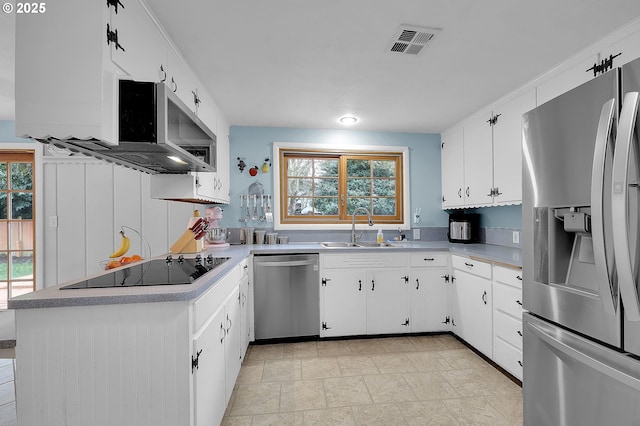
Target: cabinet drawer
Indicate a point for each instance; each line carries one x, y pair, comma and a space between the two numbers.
471, 266
427, 259
207, 304
508, 329
507, 299
508, 357
509, 276
364, 260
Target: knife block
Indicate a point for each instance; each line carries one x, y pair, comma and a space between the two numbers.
187, 243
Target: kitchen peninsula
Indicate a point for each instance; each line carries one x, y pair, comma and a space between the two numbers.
161, 355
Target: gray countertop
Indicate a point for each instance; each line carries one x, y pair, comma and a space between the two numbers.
52, 296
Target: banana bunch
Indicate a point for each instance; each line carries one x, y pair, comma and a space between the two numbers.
125, 243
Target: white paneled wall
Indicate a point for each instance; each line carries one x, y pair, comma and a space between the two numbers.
91, 201
117, 365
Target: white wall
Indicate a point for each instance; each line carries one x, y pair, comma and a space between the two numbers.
91, 200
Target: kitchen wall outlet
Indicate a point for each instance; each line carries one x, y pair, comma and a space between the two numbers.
53, 221
516, 237
416, 234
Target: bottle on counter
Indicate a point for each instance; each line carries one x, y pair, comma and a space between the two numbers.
380, 236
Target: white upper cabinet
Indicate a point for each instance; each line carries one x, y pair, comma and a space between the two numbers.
452, 169
141, 51
64, 78
223, 166
482, 162
507, 148
67, 74
478, 161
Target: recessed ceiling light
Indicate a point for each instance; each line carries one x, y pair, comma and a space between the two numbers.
348, 120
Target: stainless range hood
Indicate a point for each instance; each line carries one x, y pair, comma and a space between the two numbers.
157, 132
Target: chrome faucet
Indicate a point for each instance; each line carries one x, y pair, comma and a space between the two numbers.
353, 222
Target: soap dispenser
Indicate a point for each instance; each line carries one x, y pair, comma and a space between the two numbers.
380, 237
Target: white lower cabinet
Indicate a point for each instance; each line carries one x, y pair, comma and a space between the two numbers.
343, 303
383, 293
428, 291
209, 376
387, 301
472, 313
507, 319
363, 293
246, 307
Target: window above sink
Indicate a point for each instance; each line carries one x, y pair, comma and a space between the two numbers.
319, 186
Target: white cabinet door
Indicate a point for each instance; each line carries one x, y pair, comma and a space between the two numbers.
64, 82
475, 305
145, 50
232, 340
428, 297
478, 161
181, 80
507, 148
223, 163
387, 301
209, 377
245, 319
452, 169
344, 303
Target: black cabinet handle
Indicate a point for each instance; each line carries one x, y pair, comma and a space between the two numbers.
164, 74
470, 265
519, 333
405, 278
459, 192
223, 332
518, 277
429, 259
519, 302
484, 297
417, 283
373, 285
520, 362
359, 285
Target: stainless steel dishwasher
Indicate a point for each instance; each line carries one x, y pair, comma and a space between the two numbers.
286, 296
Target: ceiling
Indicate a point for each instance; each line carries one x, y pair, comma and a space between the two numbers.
296, 63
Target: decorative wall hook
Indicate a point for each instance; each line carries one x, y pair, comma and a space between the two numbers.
241, 164
266, 165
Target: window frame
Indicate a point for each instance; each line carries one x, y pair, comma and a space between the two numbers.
279, 148
22, 156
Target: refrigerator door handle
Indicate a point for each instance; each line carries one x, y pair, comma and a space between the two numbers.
579, 350
603, 151
619, 206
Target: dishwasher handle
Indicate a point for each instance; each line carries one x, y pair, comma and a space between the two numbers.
286, 263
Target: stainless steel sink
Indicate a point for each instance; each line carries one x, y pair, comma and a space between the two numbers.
338, 244
373, 244
362, 244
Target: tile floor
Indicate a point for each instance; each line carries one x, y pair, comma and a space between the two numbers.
413, 380
7, 395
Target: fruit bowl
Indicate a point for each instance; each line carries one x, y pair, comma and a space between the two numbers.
122, 261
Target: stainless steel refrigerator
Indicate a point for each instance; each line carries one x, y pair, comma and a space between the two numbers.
581, 258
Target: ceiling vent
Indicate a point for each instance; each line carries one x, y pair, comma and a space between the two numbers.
412, 40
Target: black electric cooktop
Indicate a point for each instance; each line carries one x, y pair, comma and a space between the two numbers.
167, 271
